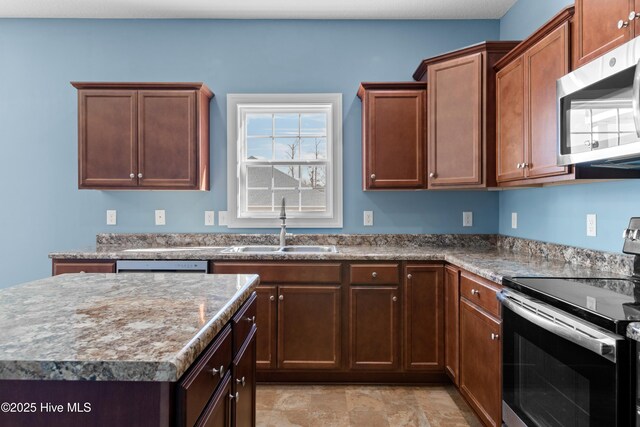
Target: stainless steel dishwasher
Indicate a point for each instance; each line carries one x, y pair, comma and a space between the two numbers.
164, 266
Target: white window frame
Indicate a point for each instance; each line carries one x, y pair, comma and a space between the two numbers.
238, 105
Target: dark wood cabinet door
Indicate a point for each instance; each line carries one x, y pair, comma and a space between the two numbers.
480, 363
510, 110
218, 411
423, 318
309, 327
107, 138
374, 326
88, 266
452, 322
455, 122
167, 139
266, 318
394, 139
596, 28
244, 383
545, 63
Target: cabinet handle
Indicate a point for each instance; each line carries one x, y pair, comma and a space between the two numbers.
272, 298
235, 396
281, 297
374, 274
432, 175
622, 24
373, 176
240, 381
132, 175
394, 299
251, 319
409, 276
495, 337
475, 292
220, 371
140, 175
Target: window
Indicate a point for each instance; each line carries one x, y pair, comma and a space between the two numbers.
289, 147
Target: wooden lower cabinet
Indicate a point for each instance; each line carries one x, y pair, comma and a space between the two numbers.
423, 318
243, 384
374, 327
452, 322
266, 319
480, 362
83, 266
218, 411
309, 327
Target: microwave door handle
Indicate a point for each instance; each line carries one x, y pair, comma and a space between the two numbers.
602, 347
635, 99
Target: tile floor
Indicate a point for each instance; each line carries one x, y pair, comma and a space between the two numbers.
361, 406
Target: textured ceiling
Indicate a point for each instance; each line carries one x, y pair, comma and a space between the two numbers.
257, 9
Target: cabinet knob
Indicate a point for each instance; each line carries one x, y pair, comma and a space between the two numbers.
432, 175
622, 24
475, 292
495, 337
251, 319
525, 165
373, 176
518, 165
235, 396
281, 297
132, 175
140, 175
220, 371
82, 271
409, 276
394, 299
374, 274
272, 298
633, 15
240, 381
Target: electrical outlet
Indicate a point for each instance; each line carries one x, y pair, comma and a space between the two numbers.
467, 219
514, 219
112, 217
368, 218
209, 217
160, 217
222, 218
591, 225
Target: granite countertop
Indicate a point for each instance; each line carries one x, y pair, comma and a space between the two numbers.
114, 327
490, 262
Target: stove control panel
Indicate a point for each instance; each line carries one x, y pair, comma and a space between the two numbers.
631, 237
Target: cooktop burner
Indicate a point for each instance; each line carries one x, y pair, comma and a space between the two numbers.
608, 302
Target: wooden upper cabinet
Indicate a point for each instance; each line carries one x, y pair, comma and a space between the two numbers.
393, 135
143, 136
596, 27
461, 116
510, 121
526, 114
545, 63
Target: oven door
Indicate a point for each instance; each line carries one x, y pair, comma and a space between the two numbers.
559, 370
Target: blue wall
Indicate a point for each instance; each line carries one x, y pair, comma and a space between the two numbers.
42, 209
558, 214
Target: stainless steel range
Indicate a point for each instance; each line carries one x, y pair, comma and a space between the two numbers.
566, 358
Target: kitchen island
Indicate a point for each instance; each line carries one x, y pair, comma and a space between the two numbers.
142, 349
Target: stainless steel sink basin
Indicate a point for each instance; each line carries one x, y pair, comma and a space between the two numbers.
307, 249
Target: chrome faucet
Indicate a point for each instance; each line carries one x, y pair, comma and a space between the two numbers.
283, 226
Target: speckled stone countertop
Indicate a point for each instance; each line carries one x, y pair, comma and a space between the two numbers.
114, 327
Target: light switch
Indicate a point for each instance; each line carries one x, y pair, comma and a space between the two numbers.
112, 217
467, 219
209, 217
160, 217
368, 218
514, 219
591, 225
222, 218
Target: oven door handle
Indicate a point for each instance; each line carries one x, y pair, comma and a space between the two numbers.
604, 345
635, 98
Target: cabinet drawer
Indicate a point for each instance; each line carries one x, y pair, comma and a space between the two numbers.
374, 274
83, 267
284, 272
243, 321
480, 292
217, 413
197, 387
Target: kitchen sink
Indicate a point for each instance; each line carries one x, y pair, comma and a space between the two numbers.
306, 249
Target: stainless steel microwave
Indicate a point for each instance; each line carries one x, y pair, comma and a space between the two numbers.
599, 111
